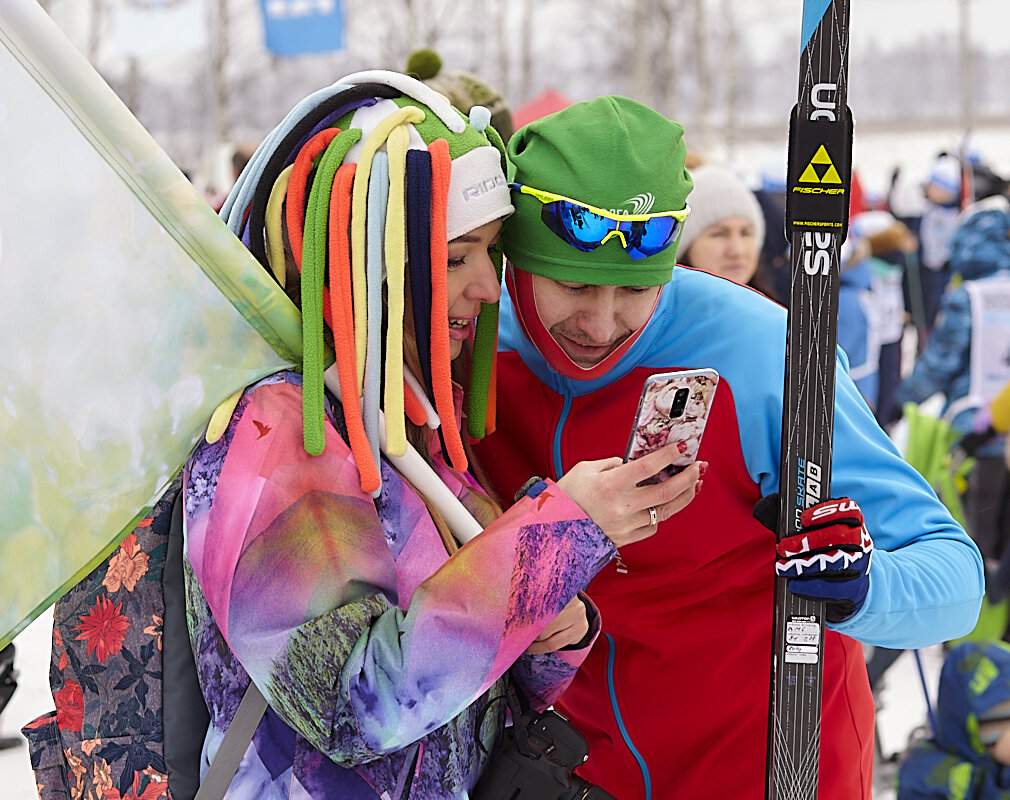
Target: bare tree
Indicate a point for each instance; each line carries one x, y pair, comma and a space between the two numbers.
526, 45
501, 25
667, 57
965, 57
694, 60
95, 32
703, 75
731, 48
641, 53
221, 25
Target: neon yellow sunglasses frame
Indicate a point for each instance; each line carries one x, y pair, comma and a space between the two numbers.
546, 198
550, 197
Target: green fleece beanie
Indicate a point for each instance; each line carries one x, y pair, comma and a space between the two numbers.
611, 153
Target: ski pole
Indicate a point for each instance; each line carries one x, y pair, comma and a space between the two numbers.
914, 274
925, 693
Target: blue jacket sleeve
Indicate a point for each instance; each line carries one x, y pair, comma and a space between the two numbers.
926, 578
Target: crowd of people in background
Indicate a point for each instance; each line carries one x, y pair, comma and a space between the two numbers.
929, 285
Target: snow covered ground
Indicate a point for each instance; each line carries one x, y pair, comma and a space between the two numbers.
901, 702
31, 698
902, 712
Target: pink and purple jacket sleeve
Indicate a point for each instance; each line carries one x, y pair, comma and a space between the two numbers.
347, 613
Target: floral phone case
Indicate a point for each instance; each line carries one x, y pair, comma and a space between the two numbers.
674, 408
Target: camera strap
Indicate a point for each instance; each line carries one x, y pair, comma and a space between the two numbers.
519, 706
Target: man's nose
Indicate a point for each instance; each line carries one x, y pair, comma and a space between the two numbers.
598, 320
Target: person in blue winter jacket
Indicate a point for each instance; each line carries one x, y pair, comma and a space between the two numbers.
595, 304
942, 193
857, 320
968, 757
891, 243
967, 360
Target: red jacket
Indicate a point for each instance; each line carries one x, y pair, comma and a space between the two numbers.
691, 614
674, 695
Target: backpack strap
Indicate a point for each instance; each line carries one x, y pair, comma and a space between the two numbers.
250, 710
184, 715
236, 741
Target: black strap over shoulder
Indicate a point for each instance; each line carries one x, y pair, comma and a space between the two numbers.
185, 718
184, 714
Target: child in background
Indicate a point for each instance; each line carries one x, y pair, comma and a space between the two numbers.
942, 191
969, 754
463, 89
967, 359
890, 242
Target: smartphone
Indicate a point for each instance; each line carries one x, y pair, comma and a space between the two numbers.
674, 408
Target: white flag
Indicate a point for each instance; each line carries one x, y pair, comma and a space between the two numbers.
128, 313
145, 27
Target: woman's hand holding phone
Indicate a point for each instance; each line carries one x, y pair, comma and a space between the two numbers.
612, 492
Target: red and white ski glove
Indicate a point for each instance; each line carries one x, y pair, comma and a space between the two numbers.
829, 559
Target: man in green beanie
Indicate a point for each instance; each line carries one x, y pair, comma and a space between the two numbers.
673, 697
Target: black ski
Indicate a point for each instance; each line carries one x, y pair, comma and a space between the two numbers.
817, 204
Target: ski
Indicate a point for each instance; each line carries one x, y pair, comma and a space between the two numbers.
817, 205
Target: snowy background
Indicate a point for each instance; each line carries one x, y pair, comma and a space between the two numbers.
922, 73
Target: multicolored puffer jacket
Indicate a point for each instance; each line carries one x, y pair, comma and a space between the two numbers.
954, 764
381, 657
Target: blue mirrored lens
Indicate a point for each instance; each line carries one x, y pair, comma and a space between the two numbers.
577, 226
583, 224
652, 236
584, 230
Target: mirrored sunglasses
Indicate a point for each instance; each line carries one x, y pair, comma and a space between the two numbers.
586, 227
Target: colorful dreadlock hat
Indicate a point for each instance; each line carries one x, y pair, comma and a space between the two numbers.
612, 153
372, 177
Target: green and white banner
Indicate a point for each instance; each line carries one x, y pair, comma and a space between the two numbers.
128, 313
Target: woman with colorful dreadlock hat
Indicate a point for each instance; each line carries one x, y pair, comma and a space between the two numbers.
324, 509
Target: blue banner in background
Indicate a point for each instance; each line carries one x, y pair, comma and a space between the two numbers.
296, 27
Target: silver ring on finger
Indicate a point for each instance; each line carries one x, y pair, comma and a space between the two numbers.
653, 516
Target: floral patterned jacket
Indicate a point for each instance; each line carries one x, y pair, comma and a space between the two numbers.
380, 656
104, 740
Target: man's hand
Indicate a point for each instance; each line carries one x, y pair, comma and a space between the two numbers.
829, 559
609, 492
567, 628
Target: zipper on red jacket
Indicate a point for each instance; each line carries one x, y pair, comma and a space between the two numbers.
620, 720
566, 407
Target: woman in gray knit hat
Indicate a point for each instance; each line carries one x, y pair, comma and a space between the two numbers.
724, 233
